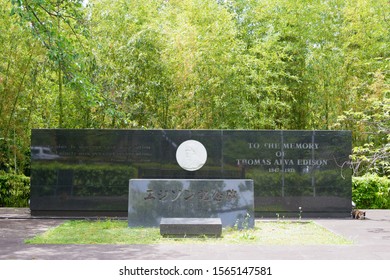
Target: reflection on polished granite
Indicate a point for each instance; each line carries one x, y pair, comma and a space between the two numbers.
87, 171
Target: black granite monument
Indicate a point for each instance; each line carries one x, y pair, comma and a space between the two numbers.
86, 172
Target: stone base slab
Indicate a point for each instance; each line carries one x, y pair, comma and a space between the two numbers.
191, 226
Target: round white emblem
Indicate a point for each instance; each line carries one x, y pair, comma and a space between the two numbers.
191, 155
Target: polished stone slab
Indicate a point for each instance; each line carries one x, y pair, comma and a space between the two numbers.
85, 172
191, 226
151, 200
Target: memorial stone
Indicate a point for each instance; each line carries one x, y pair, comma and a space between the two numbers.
150, 200
79, 172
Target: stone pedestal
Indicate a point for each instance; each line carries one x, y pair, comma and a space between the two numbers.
150, 200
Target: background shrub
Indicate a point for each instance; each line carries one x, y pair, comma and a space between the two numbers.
14, 190
371, 192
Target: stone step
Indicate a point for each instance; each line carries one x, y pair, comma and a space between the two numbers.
191, 226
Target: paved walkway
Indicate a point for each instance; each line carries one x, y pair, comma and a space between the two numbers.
371, 242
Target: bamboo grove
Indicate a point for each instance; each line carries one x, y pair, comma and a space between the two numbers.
196, 64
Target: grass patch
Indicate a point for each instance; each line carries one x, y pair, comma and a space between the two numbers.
117, 232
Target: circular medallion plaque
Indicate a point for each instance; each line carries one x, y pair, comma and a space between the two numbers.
191, 155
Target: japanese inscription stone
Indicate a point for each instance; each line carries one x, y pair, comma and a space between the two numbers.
150, 200
87, 171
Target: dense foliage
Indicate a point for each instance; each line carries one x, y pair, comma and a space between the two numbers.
14, 190
248, 64
371, 191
